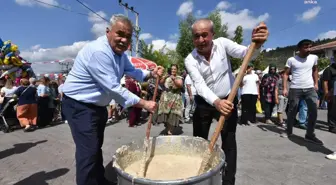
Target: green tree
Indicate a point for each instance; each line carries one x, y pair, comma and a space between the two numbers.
238, 37
185, 43
259, 62
323, 63
159, 57
219, 28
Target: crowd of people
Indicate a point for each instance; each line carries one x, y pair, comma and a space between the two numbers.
36, 103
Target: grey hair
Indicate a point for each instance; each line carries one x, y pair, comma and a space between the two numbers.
204, 20
119, 18
32, 80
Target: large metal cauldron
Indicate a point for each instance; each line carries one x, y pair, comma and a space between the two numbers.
179, 145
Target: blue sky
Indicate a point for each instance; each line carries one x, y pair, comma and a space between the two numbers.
44, 33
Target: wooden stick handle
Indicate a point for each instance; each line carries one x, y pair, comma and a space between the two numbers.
149, 124
233, 93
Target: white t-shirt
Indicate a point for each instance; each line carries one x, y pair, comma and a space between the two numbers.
188, 81
8, 92
302, 71
250, 85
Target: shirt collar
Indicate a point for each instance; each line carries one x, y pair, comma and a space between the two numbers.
214, 48
105, 40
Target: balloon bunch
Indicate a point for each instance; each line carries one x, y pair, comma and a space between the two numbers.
11, 64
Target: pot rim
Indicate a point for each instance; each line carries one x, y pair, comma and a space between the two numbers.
190, 180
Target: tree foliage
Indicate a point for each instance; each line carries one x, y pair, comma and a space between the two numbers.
238, 37
185, 43
219, 28
323, 63
259, 62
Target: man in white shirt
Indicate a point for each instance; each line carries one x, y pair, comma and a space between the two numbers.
189, 94
209, 68
304, 85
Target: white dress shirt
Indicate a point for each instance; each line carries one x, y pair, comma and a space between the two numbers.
214, 79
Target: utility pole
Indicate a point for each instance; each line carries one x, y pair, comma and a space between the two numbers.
137, 28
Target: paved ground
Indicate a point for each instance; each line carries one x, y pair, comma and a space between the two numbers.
46, 156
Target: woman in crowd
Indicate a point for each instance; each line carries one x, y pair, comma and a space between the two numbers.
27, 105
171, 104
53, 102
249, 96
150, 94
8, 90
133, 112
43, 92
268, 92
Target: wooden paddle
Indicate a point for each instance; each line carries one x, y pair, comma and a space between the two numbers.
149, 126
231, 97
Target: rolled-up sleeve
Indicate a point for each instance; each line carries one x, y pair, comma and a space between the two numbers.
202, 89
236, 50
133, 72
102, 70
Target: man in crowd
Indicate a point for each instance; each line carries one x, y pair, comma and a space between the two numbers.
304, 85
281, 100
210, 70
328, 78
90, 86
189, 94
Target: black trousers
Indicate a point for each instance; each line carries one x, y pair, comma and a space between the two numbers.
268, 109
249, 109
202, 119
87, 123
331, 117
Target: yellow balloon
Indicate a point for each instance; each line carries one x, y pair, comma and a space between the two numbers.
7, 61
16, 61
14, 48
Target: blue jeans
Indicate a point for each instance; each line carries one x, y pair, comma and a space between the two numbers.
303, 112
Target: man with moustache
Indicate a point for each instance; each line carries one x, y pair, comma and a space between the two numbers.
304, 85
90, 86
210, 70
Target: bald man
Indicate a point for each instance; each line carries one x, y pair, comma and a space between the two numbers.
209, 67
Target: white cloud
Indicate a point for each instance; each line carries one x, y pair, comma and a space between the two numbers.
199, 12
327, 35
33, 3
269, 49
174, 36
243, 18
185, 8
160, 43
38, 54
223, 5
99, 25
145, 36
36, 47
310, 14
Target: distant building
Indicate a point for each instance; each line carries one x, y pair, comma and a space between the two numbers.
325, 50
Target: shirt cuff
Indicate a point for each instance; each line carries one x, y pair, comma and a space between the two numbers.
211, 99
132, 100
145, 74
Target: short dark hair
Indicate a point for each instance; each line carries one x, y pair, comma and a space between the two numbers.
304, 42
